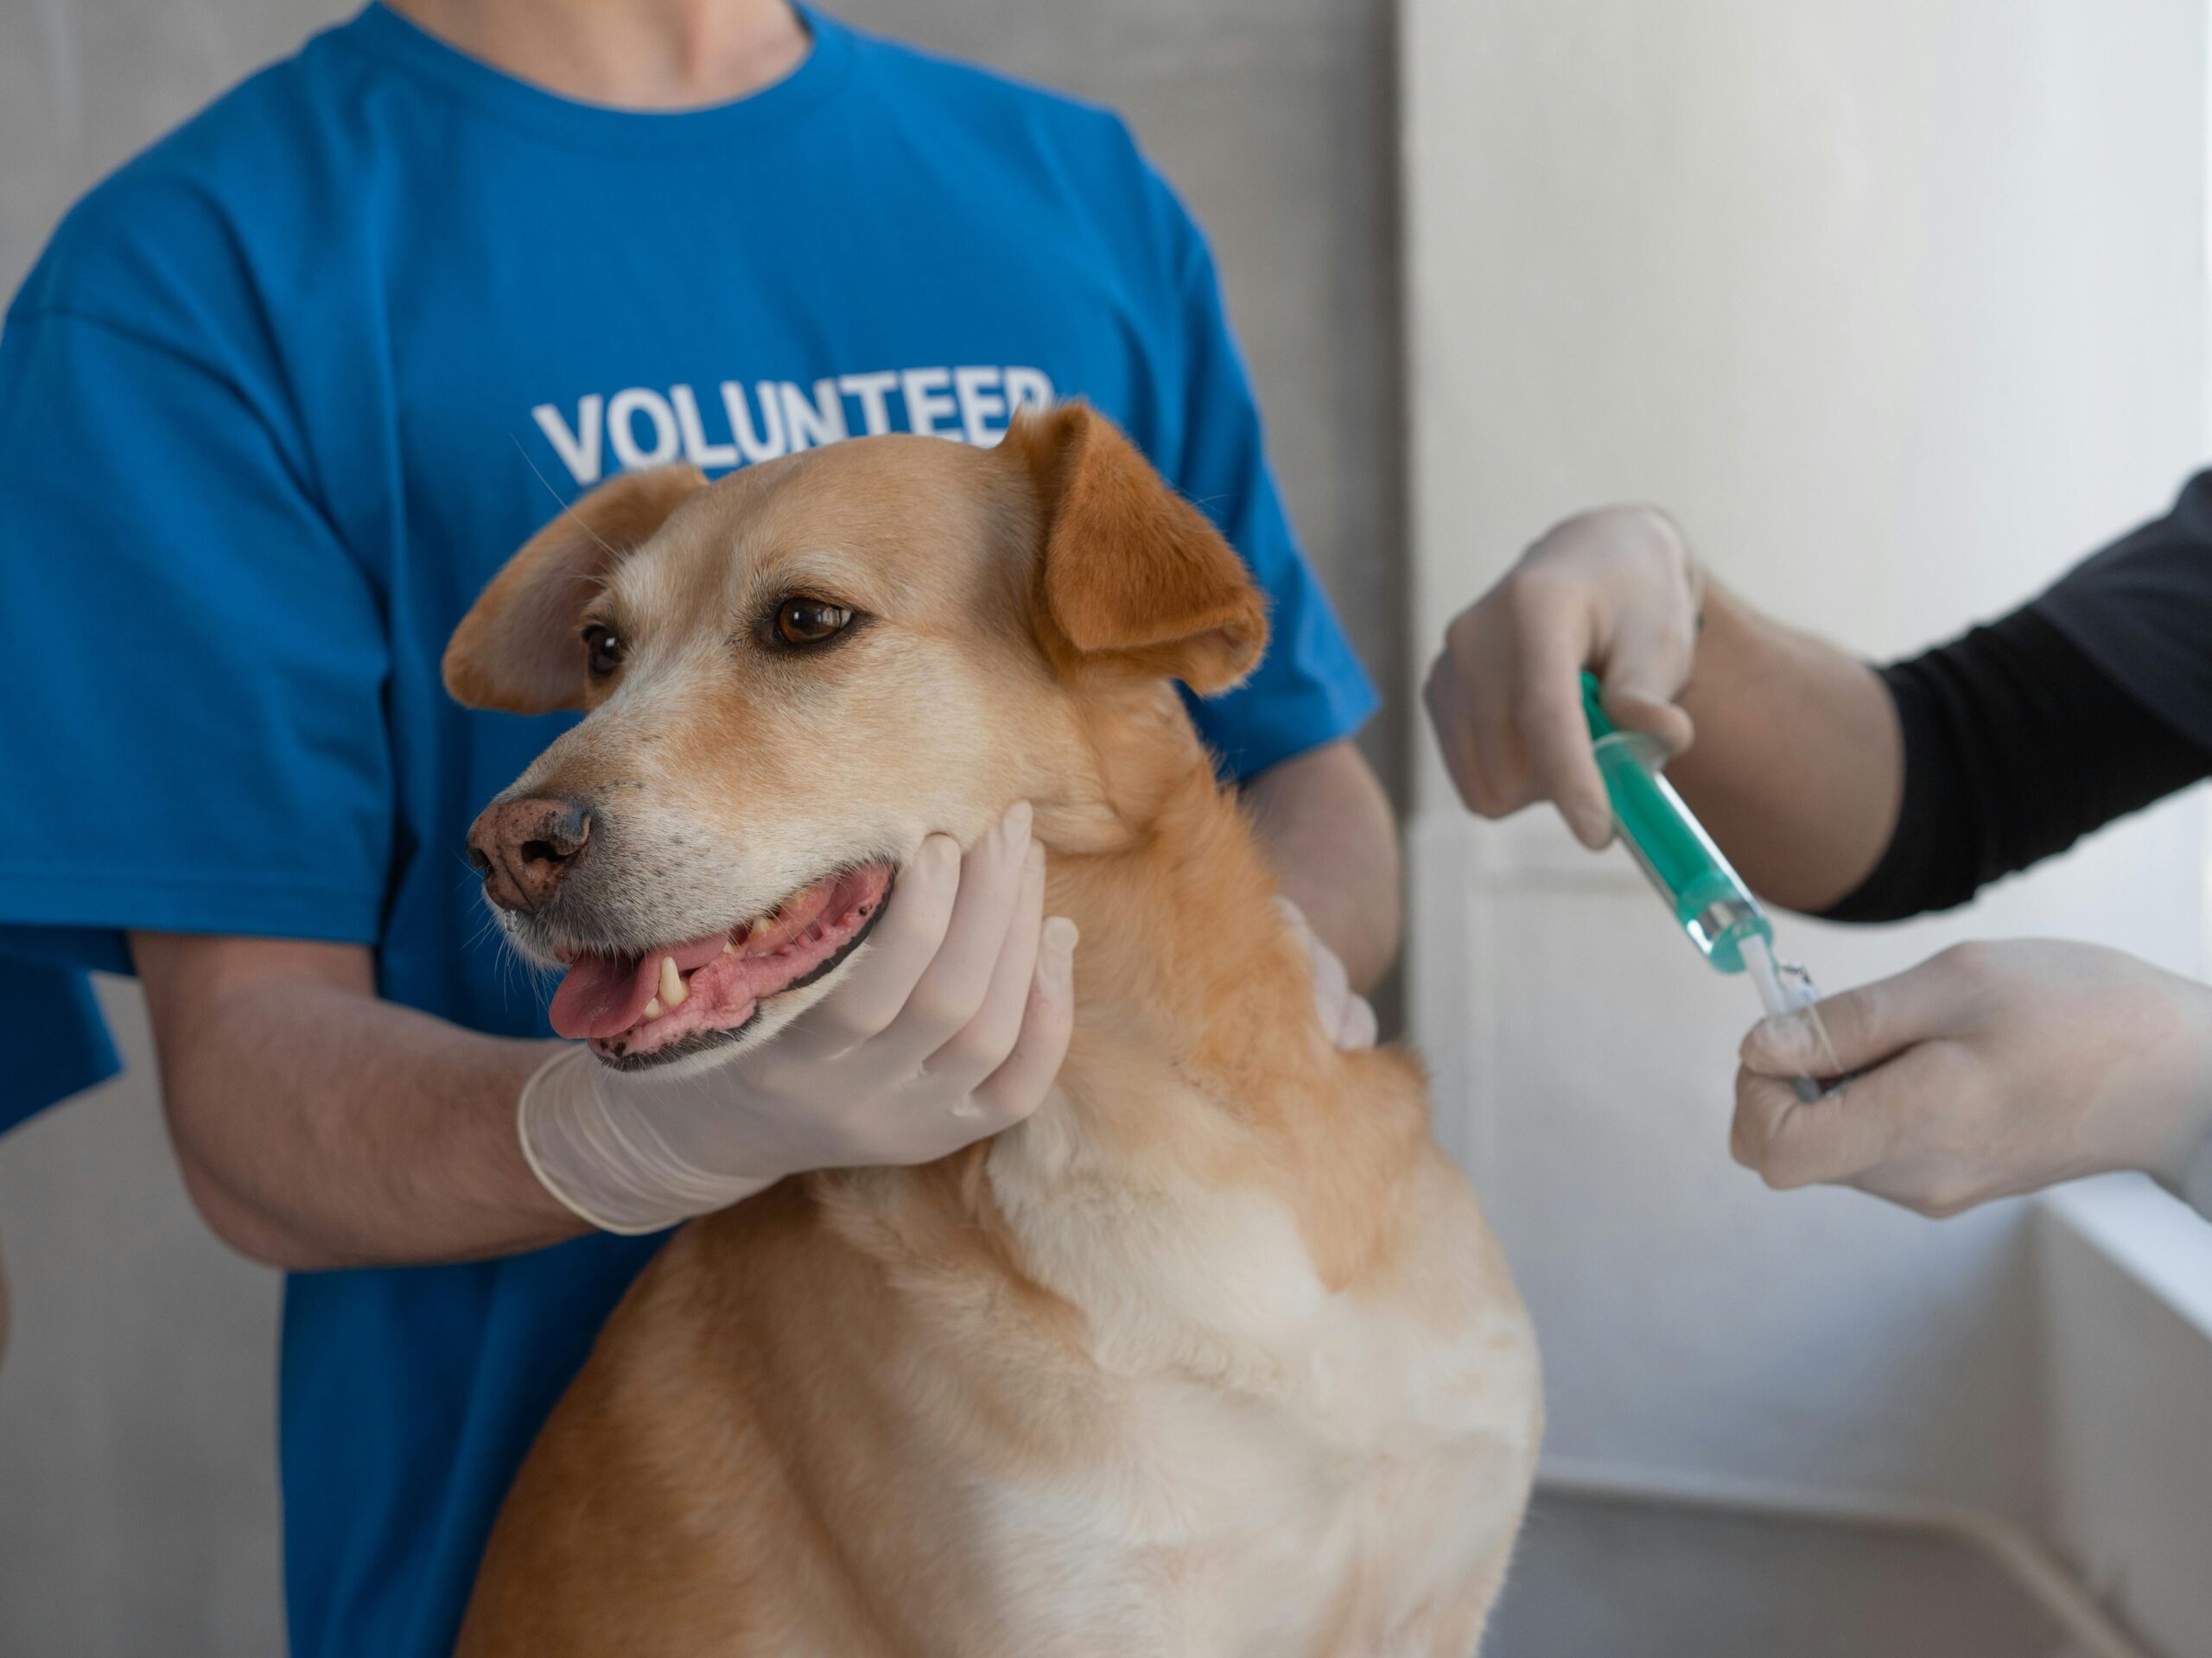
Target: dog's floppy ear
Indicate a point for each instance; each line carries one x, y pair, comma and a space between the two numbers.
515, 650
1130, 571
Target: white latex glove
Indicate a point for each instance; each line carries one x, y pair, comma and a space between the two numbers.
950, 1026
1613, 591
1347, 1016
1989, 1070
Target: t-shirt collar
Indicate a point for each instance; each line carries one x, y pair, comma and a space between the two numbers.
405, 45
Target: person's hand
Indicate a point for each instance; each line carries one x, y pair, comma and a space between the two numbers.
950, 1026
1347, 1016
1614, 591
1988, 1070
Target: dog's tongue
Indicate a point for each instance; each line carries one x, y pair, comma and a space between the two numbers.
605, 995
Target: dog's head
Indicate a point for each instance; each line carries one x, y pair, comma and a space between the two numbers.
792, 675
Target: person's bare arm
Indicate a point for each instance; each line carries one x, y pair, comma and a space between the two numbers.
1798, 767
318, 1126
1327, 827
1785, 746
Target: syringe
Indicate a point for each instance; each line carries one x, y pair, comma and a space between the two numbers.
1709, 899
1784, 986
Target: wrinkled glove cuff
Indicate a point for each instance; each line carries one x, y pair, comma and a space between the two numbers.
607, 1166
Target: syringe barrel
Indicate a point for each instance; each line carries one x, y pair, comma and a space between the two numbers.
1710, 901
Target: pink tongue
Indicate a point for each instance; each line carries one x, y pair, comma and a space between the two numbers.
605, 995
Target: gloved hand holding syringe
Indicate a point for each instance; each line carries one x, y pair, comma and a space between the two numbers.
1710, 901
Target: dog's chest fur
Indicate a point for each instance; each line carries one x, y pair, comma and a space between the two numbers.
1283, 1467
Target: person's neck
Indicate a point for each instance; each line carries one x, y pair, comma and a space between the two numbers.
638, 54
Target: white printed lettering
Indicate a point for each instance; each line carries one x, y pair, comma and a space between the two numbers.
641, 426
769, 443
696, 449
820, 422
1027, 385
923, 389
873, 391
623, 410
579, 450
978, 404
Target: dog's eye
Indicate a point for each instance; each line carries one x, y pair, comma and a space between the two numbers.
810, 621
602, 648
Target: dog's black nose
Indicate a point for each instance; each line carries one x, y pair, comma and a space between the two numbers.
526, 848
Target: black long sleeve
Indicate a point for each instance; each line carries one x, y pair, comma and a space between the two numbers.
2016, 745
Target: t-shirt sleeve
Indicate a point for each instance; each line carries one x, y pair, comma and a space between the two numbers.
2016, 745
1310, 688
2091, 700
195, 739
2141, 610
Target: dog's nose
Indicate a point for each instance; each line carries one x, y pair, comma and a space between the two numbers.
526, 848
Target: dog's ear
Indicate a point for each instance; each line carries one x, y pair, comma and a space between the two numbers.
515, 650
1129, 571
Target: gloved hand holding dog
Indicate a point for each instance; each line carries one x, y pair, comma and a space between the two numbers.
950, 1026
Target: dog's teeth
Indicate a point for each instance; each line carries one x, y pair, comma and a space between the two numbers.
728, 947
653, 1009
672, 989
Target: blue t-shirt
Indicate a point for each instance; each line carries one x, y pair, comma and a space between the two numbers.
282, 396
58, 1046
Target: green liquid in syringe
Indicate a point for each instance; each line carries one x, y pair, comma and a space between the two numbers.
1711, 902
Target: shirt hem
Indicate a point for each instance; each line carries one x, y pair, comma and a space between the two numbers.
187, 901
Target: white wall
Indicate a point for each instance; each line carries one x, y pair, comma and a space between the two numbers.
1901, 308
2127, 1327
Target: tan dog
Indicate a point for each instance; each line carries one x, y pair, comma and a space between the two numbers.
1212, 1354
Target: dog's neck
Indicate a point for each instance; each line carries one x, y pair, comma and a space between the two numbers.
1202, 1112
1183, 959
1185, 963
1198, 1054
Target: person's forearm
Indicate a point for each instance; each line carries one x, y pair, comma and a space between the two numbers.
1328, 830
318, 1126
1797, 768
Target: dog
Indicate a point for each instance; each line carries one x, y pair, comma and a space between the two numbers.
1212, 1354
